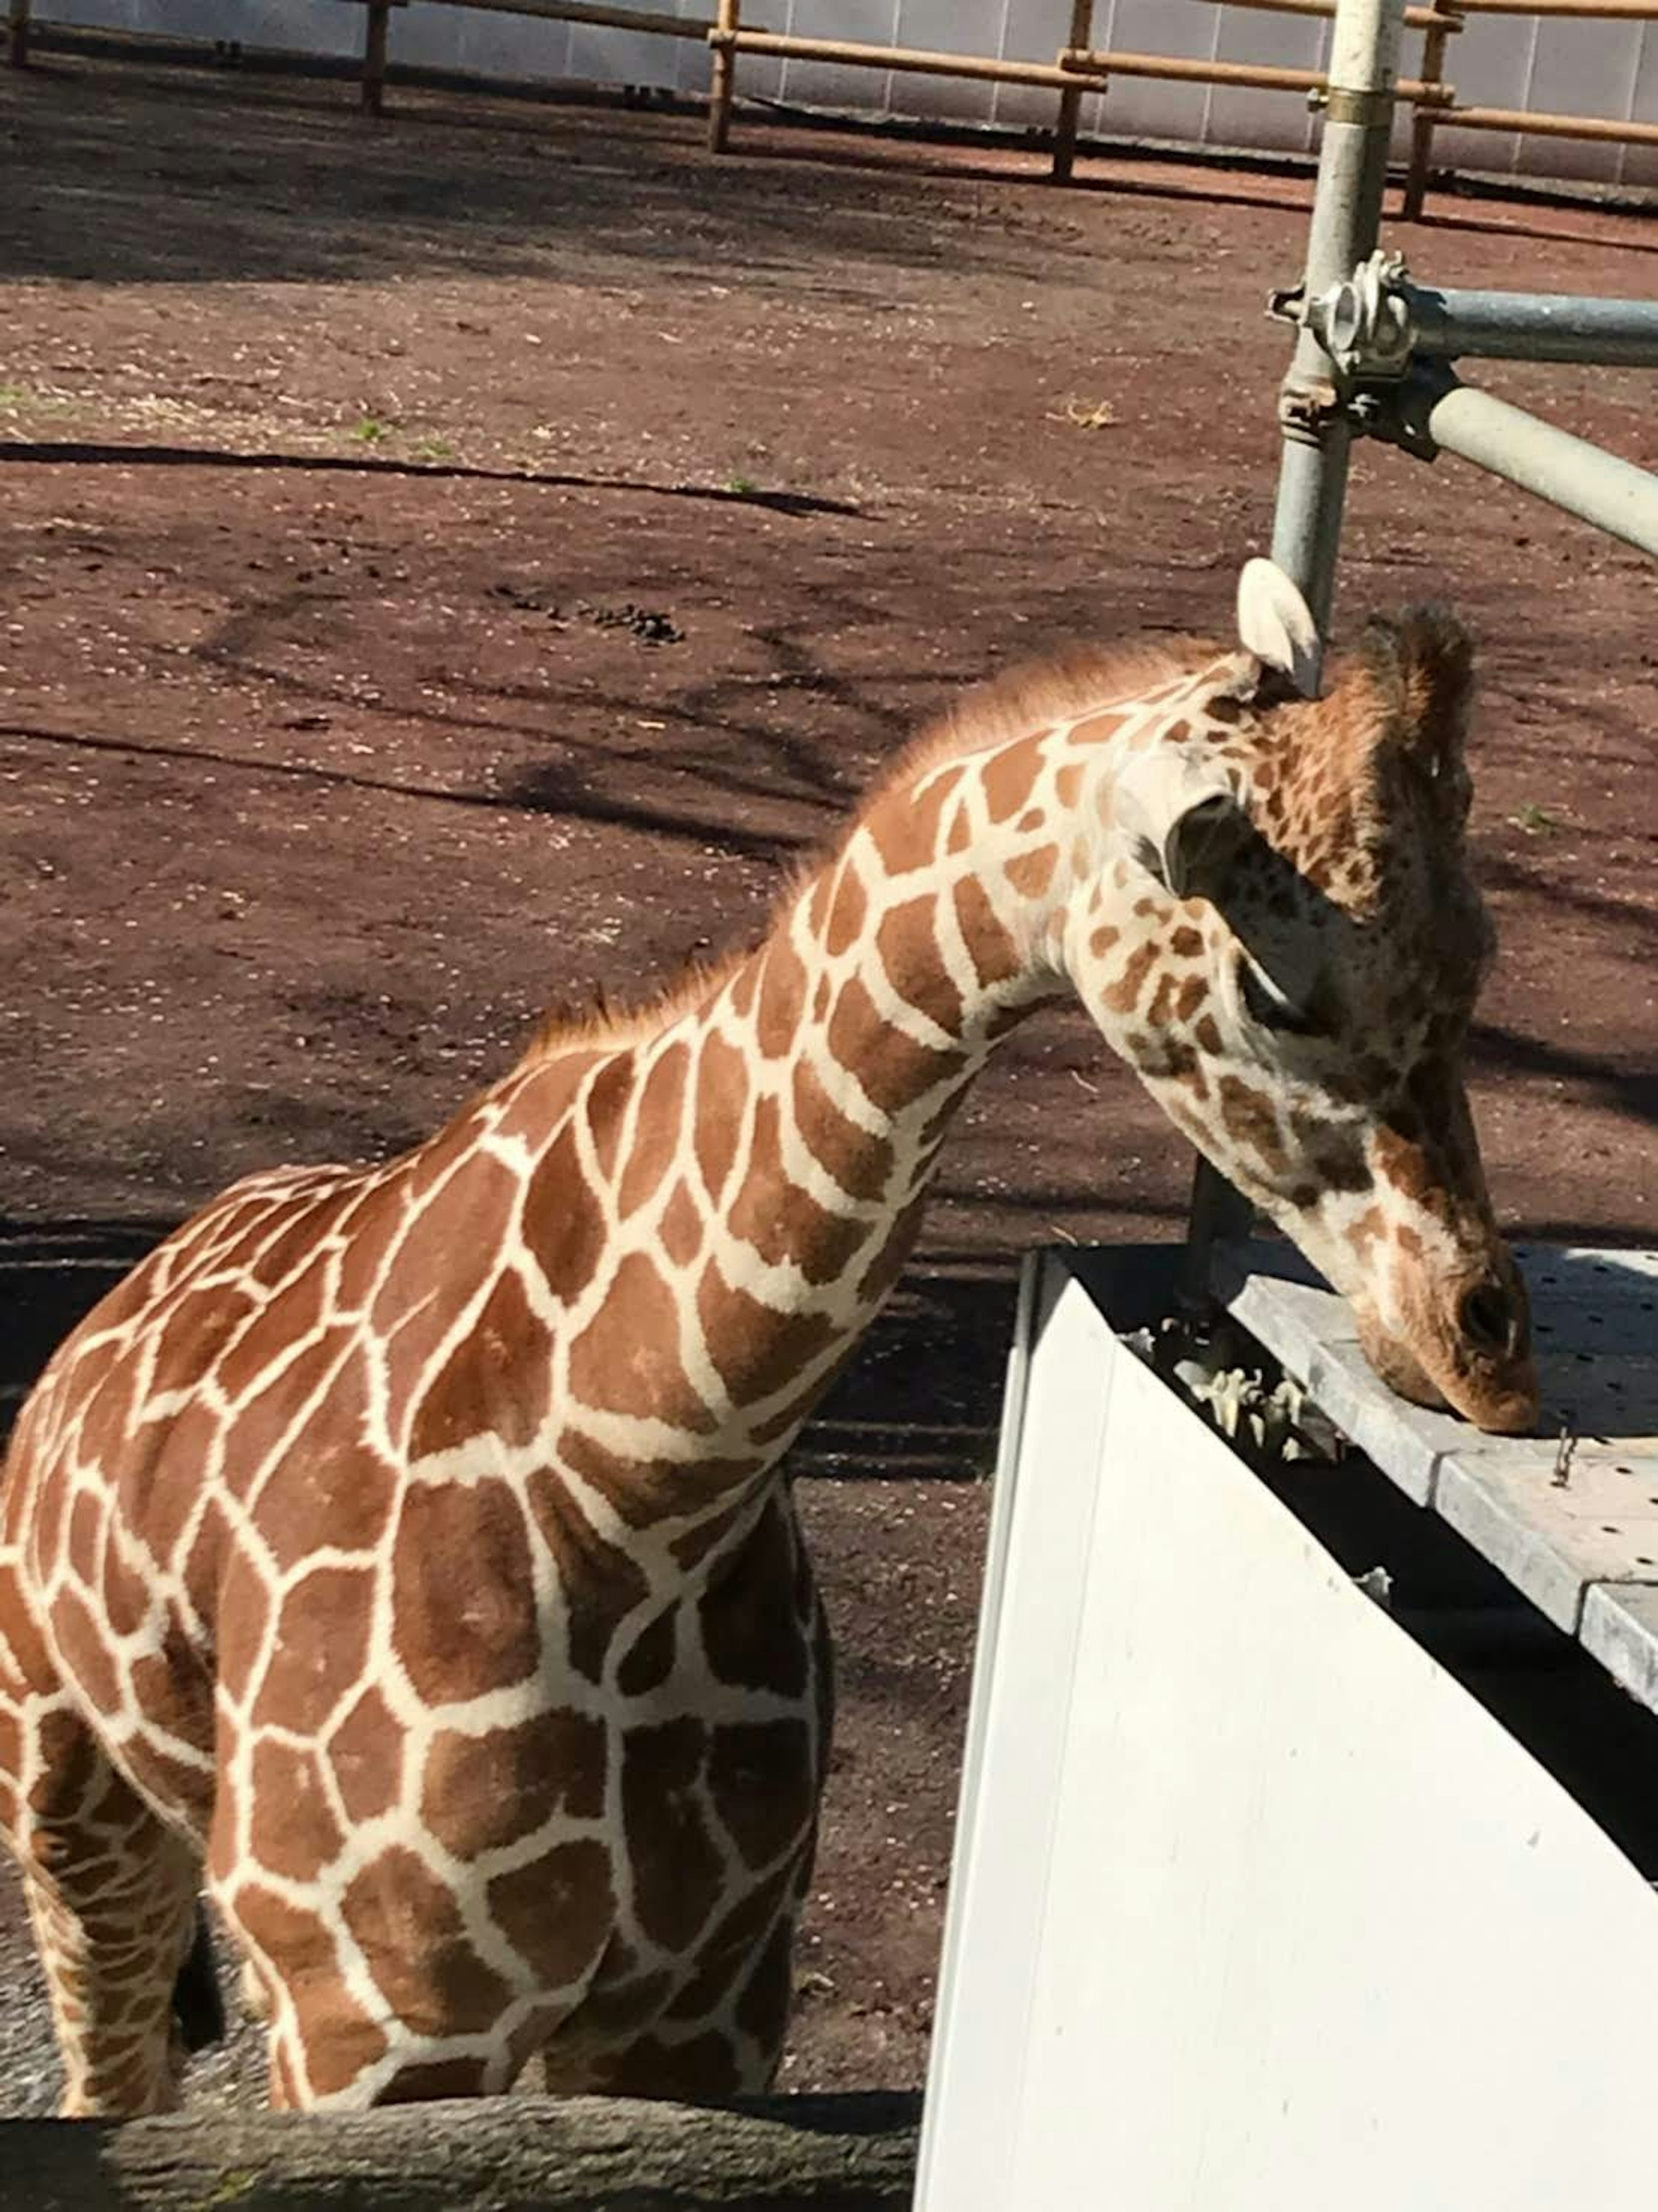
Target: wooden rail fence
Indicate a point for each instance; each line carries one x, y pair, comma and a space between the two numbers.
1078, 67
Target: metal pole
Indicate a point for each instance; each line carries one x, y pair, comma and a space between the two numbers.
1346, 217
1530, 326
17, 34
1553, 465
1352, 171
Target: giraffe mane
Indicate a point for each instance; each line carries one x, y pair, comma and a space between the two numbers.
1035, 695
1060, 687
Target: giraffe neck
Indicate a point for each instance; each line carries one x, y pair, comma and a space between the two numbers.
719, 1202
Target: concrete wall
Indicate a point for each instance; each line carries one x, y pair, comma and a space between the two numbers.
1585, 67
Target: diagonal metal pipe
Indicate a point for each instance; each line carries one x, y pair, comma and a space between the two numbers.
1434, 412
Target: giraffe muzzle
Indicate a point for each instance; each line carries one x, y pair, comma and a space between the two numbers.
1466, 1346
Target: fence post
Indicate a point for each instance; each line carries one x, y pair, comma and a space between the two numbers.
724, 85
373, 56
1422, 126
1064, 127
17, 34
1312, 488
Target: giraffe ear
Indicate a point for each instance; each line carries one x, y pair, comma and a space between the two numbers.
1183, 817
1421, 667
1276, 625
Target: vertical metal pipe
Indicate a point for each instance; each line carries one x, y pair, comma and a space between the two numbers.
17, 34
1352, 174
1071, 100
723, 84
1352, 171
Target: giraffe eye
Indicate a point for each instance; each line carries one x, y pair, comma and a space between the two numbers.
1263, 1006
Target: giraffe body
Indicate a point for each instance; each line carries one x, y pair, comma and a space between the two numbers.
408, 1546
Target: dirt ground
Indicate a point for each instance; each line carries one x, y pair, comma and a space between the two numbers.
450, 565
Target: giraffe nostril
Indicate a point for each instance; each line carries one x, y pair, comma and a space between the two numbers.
1489, 1318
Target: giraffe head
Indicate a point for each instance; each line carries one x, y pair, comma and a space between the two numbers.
1285, 891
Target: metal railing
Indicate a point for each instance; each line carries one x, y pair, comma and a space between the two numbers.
1372, 356
1077, 68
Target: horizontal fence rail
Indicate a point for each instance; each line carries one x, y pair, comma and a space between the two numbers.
1078, 67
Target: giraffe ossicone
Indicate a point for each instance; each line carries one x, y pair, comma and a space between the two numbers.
1276, 623
408, 1544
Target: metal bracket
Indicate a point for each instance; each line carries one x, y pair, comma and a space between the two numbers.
1373, 110
1364, 324
1304, 408
1398, 414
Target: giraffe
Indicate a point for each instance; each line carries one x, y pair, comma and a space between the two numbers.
406, 1546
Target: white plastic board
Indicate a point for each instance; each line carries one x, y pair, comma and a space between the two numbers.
1254, 1908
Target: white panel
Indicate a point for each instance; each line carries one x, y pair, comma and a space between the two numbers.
513, 45
1259, 1911
950, 27
827, 85
599, 56
1640, 163
430, 37
1141, 107
1019, 1720
295, 26
254, 26
1489, 62
1582, 68
97, 14
1247, 117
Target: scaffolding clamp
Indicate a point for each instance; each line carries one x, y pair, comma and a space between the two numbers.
1365, 323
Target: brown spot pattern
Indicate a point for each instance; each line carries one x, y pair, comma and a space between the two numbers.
759, 1777
408, 1925
753, 1347
782, 996
496, 1382
782, 1221
861, 1163
366, 1751
676, 1862
563, 1222
479, 1793
294, 1832
602, 1585
722, 1090
1031, 873
656, 1128
1122, 994
557, 1912
463, 1602
628, 1359
319, 1648
908, 942
607, 1103
894, 1070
